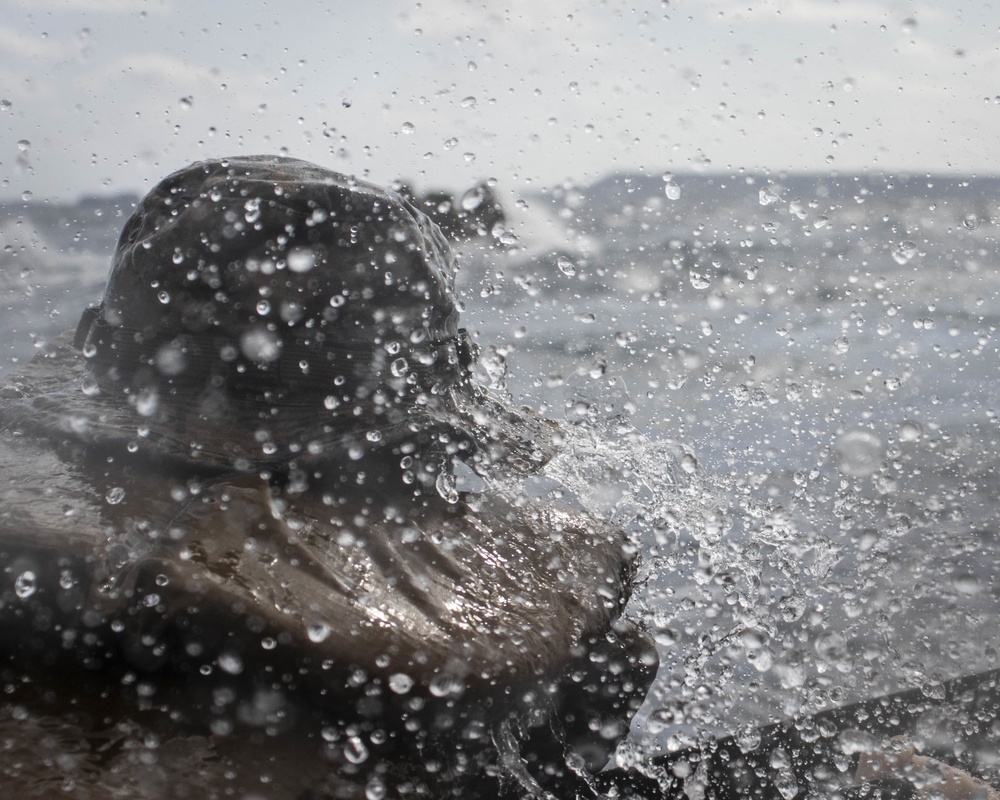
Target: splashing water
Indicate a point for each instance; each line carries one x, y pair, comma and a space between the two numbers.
713, 565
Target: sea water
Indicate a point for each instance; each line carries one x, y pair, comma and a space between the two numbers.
783, 387
793, 384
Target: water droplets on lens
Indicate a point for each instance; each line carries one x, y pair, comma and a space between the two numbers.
670, 187
301, 259
115, 495
252, 210
473, 198
699, 280
858, 453
261, 345
170, 359
355, 750
910, 431
318, 632
230, 663
768, 195
904, 252
446, 485
26, 584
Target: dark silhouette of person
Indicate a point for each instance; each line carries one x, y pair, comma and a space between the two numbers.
234, 521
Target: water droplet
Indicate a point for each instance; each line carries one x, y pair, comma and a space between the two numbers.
89, 386
252, 210
910, 431
672, 190
408, 128
231, 663
903, 252
971, 221
842, 344
768, 195
446, 685
451, 143
473, 198
566, 267
115, 495
468, 102
301, 259
447, 486
23, 145
798, 209
400, 683
25, 584
317, 631
786, 784
375, 788
260, 345
399, 367
146, 402
330, 734
5, 105
186, 102
504, 235
355, 750
699, 280
858, 453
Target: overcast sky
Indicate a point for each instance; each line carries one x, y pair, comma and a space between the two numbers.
110, 95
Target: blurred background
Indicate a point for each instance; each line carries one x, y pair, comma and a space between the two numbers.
109, 95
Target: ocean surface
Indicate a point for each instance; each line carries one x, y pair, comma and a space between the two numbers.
785, 387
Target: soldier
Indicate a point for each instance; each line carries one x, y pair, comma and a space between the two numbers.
232, 522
